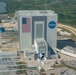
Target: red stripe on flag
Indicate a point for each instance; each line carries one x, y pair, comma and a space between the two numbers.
26, 27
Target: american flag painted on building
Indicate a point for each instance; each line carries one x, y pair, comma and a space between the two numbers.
25, 25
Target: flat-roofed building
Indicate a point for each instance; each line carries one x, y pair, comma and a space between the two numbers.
38, 28
3, 16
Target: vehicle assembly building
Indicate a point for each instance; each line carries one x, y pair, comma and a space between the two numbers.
38, 32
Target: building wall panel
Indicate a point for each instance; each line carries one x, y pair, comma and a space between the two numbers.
52, 33
39, 18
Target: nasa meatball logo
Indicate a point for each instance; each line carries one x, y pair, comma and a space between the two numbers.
52, 24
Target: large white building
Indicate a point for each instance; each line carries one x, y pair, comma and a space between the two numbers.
38, 31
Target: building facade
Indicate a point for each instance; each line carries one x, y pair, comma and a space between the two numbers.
38, 29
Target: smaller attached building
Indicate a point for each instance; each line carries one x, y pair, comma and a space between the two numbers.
41, 46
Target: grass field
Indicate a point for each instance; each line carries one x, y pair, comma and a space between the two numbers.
66, 9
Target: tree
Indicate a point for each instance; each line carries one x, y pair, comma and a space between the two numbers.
52, 74
42, 70
43, 73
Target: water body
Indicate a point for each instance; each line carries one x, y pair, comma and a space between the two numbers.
2, 7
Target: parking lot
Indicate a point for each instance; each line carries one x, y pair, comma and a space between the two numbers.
62, 71
8, 63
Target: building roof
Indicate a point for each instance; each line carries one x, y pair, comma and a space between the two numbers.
3, 16
70, 49
41, 41
36, 12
